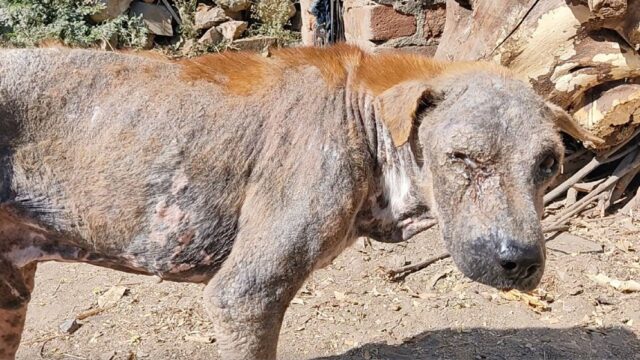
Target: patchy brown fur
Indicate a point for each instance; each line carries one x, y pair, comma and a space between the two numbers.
246, 73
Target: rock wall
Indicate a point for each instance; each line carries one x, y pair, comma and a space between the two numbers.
375, 25
381, 25
213, 22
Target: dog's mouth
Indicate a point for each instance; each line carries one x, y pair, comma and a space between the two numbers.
411, 226
488, 274
505, 284
413, 222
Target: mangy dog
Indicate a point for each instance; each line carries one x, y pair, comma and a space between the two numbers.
247, 173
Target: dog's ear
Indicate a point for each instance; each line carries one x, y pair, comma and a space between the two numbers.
401, 105
565, 123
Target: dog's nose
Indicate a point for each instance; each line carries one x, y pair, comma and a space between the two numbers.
518, 261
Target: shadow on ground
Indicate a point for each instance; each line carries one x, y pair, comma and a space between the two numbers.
528, 343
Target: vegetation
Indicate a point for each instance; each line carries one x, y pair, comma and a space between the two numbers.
29, 22
32, 22
273, 17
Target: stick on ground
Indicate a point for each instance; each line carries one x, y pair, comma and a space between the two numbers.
403, 272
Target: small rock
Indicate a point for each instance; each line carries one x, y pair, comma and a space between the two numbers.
112, 9
211, 37
207, 17
157, 18
233, 29
256, 44
234, 5
576, 290
69, 326
572, 244
297, 301
205, 339
112, 296
603, 300
487, 296
426, 296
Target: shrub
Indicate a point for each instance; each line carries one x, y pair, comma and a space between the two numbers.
187, 12
272, 17
29, 22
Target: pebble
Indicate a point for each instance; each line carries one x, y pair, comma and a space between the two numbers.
69, 326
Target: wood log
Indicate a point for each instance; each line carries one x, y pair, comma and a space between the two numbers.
567, 50
611, 113
630, 27
608, 9
628, 24
472, 34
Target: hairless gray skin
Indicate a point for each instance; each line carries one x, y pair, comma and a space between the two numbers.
197, 171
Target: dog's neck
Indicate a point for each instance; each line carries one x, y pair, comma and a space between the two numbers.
394, 209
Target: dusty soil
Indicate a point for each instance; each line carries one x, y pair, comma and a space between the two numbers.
351, 311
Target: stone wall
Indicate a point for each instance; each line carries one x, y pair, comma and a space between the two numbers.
213, 25
381, 25
374, 25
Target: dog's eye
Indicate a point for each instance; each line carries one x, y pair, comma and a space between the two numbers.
549, 165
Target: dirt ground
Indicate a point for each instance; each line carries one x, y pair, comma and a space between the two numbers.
349, 310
